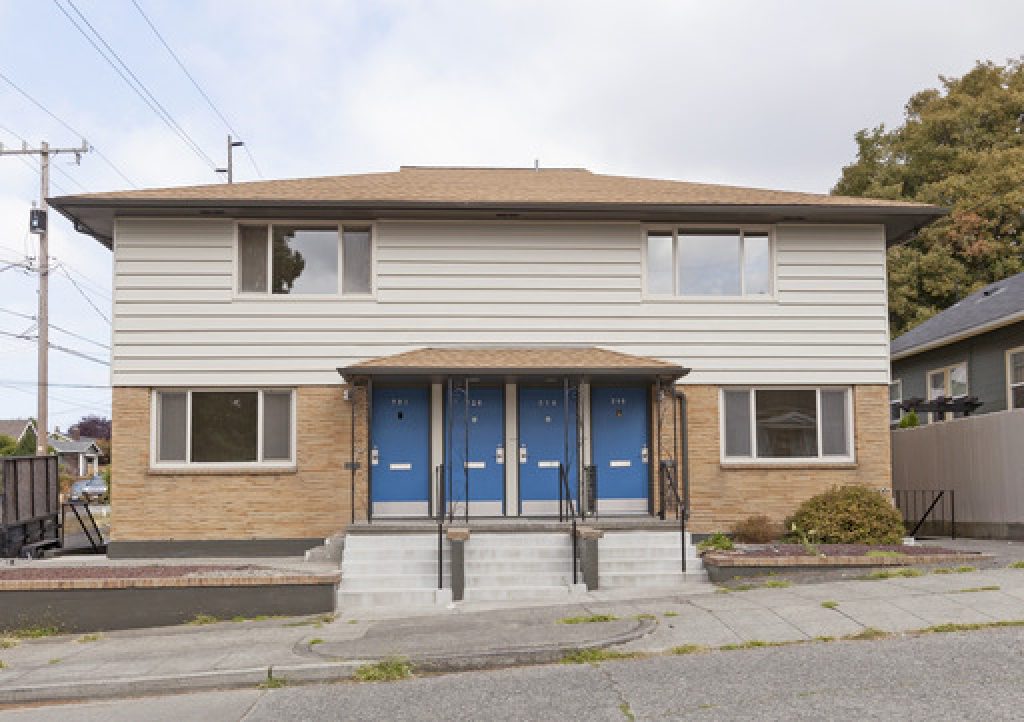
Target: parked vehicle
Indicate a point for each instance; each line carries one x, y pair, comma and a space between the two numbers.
89, 490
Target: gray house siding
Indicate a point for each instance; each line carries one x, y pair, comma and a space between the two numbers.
985, 355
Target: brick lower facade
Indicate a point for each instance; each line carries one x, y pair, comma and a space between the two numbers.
315, 499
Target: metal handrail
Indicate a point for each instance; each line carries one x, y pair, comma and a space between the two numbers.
667, 484
441, 503
564, 491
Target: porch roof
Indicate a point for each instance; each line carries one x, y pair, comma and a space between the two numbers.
515, 361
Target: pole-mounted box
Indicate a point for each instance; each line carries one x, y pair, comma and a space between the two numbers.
37, 220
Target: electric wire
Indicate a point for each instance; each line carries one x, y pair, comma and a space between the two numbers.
55, 327
84, 295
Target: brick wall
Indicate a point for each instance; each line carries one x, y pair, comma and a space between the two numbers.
312, 500
721, 495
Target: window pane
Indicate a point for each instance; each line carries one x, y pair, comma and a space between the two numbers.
659, 262
896, 391
757, 264
356, 260
895, 397
1017, 368
737, 423
1018, 397
958, 380
834, 435
277, 426
709, 263
252, 259
224, 426
170, 442
305, 260
936, 384
786, 423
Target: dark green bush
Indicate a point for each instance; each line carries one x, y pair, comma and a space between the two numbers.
846, 515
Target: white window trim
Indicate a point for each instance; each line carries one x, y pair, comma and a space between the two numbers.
675, 297
947, 384
1009, 376
269, 295
260, 463
821, 459
898, 383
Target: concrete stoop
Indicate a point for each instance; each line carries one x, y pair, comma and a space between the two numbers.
330, 551
635, 559
392, 570
519, 567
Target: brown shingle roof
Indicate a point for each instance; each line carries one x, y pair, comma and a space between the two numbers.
514, 360
13, 427
489, 185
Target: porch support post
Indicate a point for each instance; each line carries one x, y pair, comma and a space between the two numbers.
511, 451
457, 538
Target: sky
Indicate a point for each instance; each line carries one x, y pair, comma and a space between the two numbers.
765, 94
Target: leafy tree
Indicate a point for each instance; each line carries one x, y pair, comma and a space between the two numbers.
92, 426
961, 147
288, 265
27, 445
8, 445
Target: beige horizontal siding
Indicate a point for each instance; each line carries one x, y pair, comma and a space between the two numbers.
178, 321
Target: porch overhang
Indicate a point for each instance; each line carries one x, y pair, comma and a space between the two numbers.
584, 362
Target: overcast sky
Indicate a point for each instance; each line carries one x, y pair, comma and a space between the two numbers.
749, 93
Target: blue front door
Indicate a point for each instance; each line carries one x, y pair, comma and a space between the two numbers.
546, 429
619, 442
477, 425
400, 451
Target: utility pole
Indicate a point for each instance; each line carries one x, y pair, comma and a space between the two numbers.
38, 225
230, 170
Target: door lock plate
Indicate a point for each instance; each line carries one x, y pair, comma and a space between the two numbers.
644, 455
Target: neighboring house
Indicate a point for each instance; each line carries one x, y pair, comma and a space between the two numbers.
80, 458
17, 428
973, 348
293, 357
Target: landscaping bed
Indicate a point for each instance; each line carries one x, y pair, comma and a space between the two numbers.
760, 559
95, 597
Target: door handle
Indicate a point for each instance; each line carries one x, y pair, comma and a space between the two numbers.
499, 455
522, 454
374, 456
644, 454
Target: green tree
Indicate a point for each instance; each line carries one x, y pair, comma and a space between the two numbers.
961, 147
8, 445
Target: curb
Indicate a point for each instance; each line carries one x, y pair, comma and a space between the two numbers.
330, 670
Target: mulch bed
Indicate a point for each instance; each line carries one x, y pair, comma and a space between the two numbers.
832, 550
150, 571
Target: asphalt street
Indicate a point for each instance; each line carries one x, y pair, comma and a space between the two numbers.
939, 676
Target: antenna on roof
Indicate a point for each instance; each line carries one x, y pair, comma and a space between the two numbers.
536, 163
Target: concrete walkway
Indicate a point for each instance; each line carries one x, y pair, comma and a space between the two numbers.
239, 653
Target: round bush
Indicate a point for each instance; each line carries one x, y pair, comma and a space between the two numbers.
847, 515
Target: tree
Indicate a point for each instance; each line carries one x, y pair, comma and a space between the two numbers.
92, 426
961, 147
8, 445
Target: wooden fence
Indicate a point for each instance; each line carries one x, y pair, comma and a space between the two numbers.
980, 459
29, 501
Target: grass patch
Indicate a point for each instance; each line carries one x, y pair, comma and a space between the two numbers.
55, 660
273, 683
753, 644
316, 622
990, 588
201, 619
942, 570
315, 640
882, 554
737, 588
33, 632
716, 542
777, 584
868, 633
645, 616
893, 573
627, 712
590, 619
3, 664
387, 670
353, 621
830, 604
85, 638
595, 656
1016, 565
687, 649
964, 570
824, 638
671, 614
8, 642
970, 626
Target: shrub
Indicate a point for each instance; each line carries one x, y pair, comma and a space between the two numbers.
847, 515
910, 420
757, 529
717, 542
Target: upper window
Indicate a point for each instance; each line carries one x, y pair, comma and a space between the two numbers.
948, 382
709, 262
1015, 378
895, 399
795, 424
218, 427
300, 259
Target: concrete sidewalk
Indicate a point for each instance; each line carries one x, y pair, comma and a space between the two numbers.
239, 654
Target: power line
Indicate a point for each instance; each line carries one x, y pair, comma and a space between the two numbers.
34, 168
96, 287
11, 382
78, 402
138, 86
66, 126
58, 347
56, 327
82, 292
202, 92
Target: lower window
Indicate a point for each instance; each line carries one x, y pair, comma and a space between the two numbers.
790, 423
224, 427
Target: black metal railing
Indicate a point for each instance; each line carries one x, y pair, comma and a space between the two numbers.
567, 511
90, 529
917, 505
669, 493
442, 502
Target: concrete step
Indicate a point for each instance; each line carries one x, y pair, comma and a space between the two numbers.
483, 581
614, 566
517, 566
396, 598
518, 541
392, 566
381, 582
391, 541
330, 551
648, 553
392, 553
643, 579
643, 538
521, 593
493, 553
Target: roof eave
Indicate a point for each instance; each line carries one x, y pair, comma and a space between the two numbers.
959, 336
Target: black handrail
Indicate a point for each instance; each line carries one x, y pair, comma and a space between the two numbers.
441, 504
667, 487
911, 501
566, 508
